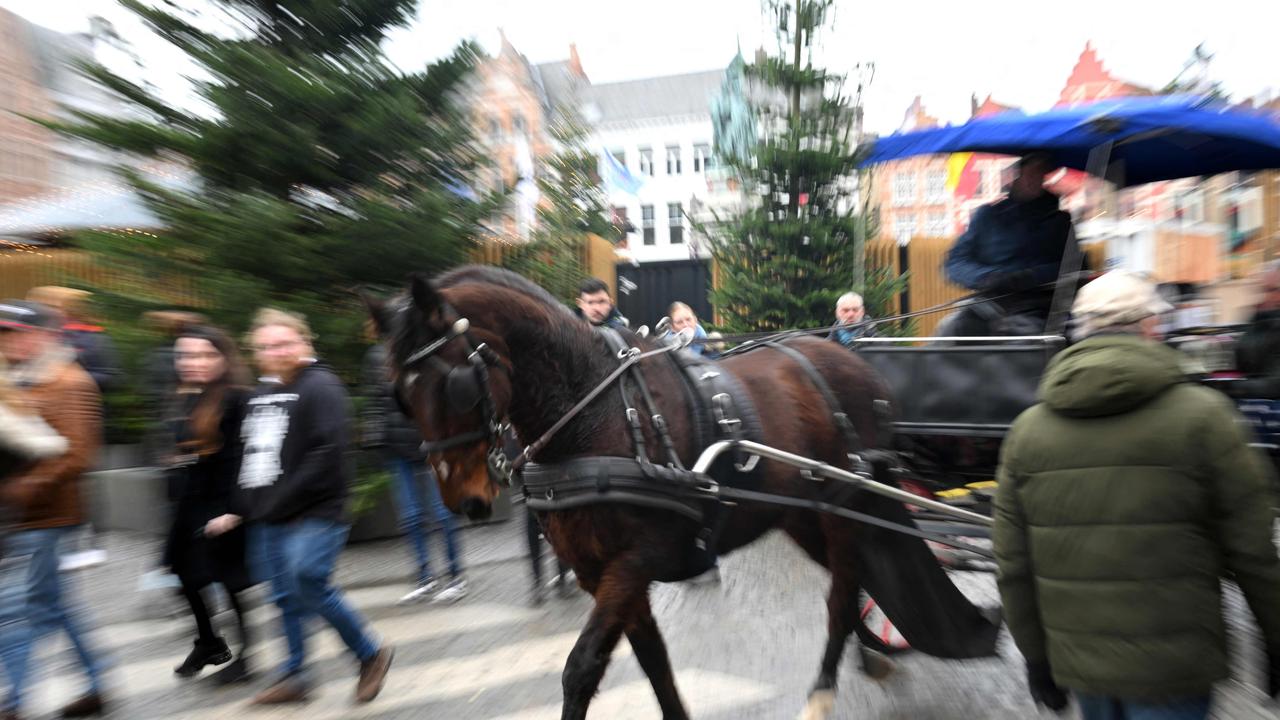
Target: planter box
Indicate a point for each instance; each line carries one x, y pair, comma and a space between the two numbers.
133, 499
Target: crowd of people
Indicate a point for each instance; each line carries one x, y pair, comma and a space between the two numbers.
1124, 495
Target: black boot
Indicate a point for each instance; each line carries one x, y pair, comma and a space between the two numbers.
205, 652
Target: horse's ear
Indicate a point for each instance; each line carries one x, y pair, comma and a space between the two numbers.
379, 310
424, 294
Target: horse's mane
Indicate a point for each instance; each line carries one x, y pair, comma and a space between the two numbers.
497, 276
563, 327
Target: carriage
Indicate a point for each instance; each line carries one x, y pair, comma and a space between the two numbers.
957, 397
644, 462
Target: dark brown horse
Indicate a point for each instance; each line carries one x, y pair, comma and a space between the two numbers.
542, 360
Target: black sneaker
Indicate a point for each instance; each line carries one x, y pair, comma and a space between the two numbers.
236, 672
214, 652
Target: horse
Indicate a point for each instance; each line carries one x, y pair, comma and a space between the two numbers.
481, 333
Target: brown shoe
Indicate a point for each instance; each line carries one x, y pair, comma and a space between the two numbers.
9, 715
86, 706
373, 672
287, 691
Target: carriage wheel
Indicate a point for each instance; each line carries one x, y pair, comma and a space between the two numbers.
875, 629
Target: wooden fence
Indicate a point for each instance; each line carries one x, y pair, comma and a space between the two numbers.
926, 284
597, 256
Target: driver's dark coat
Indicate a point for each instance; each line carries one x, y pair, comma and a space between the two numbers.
1011, 236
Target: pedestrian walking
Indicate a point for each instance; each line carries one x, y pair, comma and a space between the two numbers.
392, 434
294, 475
204, 418
1125, 497
35, 596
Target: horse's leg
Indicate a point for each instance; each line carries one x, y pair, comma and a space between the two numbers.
651, 652
616, 593
842, 620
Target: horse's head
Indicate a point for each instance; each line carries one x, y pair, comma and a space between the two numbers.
456, 384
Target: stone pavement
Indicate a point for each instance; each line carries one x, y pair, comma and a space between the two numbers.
746, 648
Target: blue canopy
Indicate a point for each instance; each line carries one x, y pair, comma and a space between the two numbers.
1155, 138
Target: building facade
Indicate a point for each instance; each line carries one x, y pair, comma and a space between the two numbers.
654, 137
38, 78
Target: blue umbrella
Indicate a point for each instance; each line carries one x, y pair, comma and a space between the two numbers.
1153, 138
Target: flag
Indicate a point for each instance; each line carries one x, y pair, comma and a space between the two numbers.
617, 177
962, 176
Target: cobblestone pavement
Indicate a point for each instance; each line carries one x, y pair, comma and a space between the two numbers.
746, 648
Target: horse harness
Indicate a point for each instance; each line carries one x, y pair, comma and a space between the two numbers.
721, 410
465, 388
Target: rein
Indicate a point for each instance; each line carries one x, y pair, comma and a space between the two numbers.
973, 298
632, 356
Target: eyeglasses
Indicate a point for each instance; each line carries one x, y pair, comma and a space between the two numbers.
282, 345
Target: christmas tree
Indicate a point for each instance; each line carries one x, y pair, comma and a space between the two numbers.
318, 166
798, 245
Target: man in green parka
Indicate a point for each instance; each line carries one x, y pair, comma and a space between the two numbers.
1125, 496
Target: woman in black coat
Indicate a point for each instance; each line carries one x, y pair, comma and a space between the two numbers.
204, 422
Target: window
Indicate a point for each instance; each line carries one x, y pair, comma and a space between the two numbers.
904, 229
936, 224
646, 161
675, 218
646, 223
620, 156
935, 186
673, 159
702, 159
904, 188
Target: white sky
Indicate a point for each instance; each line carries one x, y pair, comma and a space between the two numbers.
943, 50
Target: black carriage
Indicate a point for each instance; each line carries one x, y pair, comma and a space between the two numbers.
957, 397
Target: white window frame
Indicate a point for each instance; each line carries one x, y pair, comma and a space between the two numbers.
904, 188
673, 159
935, 186
675, 221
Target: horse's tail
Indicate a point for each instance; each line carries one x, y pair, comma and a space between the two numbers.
913, 590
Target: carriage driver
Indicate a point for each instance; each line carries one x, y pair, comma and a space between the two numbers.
1013, 246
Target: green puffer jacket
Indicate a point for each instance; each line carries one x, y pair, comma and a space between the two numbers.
1124, 496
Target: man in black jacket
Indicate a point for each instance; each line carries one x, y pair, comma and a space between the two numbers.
293, 491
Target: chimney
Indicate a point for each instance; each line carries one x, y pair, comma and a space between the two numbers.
973, 105
575, 63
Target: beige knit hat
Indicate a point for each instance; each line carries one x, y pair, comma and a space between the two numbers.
1117, 298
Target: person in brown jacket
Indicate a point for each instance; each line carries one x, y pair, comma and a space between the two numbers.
45, 501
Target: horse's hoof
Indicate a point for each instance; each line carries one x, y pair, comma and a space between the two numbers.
877, 666
820, 705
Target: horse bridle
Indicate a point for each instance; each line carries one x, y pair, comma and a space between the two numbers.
465, 387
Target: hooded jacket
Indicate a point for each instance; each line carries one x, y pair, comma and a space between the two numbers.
1124, 497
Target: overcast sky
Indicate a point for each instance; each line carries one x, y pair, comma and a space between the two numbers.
1019, 51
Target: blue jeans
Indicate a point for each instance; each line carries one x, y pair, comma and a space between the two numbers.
1093, 707
34, 602
415, 488
298, 558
